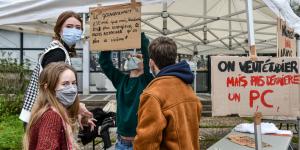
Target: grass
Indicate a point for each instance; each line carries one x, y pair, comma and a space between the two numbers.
11, 133
295, 139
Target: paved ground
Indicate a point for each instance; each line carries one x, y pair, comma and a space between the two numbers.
111, 96
98, 97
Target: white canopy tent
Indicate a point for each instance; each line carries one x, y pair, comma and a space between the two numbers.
283, 9
36, 16
207, 26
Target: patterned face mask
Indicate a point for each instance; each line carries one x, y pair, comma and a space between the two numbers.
67, 95
71, 35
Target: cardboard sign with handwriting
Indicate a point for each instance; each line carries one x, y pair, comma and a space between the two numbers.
116, 27
268, 85
286, 41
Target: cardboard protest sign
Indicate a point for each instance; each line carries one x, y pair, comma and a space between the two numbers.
268, 85
116, 27
286, 42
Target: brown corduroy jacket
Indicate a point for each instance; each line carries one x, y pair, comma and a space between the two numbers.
168, 116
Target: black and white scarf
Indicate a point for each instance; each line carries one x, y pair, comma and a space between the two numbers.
33, 87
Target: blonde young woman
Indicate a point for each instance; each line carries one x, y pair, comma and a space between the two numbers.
54, 115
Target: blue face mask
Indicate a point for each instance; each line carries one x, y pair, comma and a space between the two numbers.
71, 35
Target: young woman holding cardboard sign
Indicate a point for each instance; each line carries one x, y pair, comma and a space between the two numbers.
129, 87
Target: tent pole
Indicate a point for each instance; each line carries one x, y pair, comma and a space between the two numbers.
242, 33
250, 26
152, 26
213, 34
298, 55
298, 44
196, 36
263, 48
165, 16
85, 62
219, 29
239, 45
257, 130
253, 56
225, 18
298, 120
204, 19
21, 48
226, 37
260, 42
195, 68
213, 20
151, 18
229, 25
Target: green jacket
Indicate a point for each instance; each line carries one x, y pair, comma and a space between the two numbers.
128, 89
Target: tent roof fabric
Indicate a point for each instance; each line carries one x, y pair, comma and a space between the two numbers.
206, 26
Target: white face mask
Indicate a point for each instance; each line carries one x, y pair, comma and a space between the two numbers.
152, 71
71, 35
132, 63
67, 95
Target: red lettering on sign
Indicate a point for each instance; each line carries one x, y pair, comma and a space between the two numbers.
271, 80
230, 81
263, 101
296, 79
236, 81
234, 97
254, 95
257, 81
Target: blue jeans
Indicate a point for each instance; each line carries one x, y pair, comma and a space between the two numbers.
123, 144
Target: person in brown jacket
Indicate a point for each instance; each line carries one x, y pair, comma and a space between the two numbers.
169, 111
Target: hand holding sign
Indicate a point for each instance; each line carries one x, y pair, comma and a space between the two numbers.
116, 27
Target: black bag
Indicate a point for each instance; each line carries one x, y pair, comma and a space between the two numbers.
103, 123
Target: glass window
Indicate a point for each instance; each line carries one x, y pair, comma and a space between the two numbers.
36, 41
9, 39
94, 62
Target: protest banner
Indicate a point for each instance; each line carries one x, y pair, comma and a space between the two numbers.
116, 27
286, 41
268, 85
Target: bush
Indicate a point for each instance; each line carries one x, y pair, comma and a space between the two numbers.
14, 79
11, 133
11, 104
